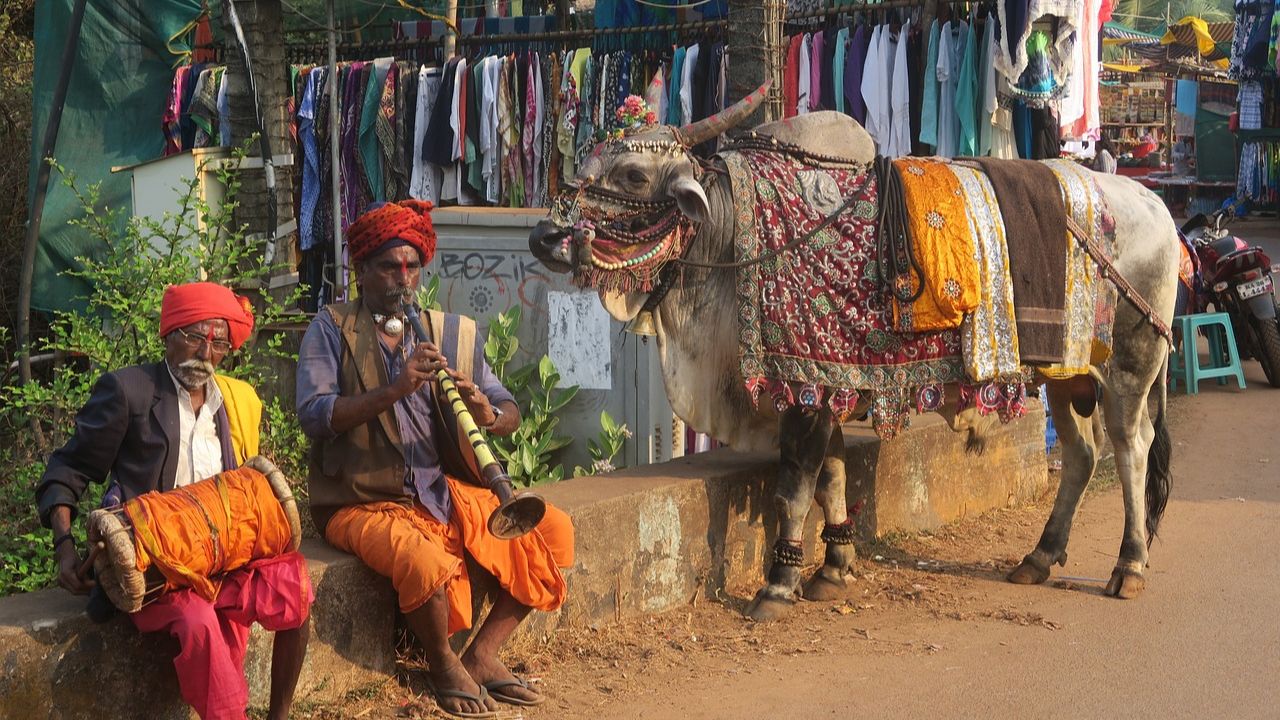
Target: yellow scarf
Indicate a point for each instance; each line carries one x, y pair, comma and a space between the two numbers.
244, 415
944, 247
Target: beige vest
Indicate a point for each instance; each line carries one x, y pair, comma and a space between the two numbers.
366, 463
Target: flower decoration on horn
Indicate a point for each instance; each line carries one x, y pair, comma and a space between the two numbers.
631, 116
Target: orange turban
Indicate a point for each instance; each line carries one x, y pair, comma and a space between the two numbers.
191, 303
408, 221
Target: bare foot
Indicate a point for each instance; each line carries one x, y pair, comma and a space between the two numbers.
455, 677
490, 671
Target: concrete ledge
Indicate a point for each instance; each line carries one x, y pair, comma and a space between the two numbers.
648, 539
55, 663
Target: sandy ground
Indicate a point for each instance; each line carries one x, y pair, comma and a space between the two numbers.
929, 627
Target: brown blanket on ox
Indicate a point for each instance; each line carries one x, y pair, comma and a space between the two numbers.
1035, 225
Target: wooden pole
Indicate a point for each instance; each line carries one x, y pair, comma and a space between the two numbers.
335, 172
54, 123
450, 35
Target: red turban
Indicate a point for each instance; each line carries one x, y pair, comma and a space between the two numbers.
408, 221
191, 303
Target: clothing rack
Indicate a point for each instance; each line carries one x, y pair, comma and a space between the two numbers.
870, 7
591, 32
416, 48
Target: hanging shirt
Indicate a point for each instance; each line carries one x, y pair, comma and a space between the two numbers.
424, 179
310, 159
686, 83
674, 106
805, 82
966, 96
791, 77
854, 61
538, 191
224, 112
872, 76
900, 97
370, 153
489, 128
884, 104
837, 69
988, 99
929, 111
950, 56
1088, 64
816, 50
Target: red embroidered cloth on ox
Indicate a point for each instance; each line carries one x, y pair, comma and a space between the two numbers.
815, 323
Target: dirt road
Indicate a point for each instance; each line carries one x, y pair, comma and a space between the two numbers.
930, 628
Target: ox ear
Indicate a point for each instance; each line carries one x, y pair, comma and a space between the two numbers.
691, 198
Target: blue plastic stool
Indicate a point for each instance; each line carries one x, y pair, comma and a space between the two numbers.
1184, 362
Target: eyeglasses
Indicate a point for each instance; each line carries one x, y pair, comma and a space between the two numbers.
195, 340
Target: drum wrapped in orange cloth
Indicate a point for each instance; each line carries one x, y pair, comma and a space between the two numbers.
191, 535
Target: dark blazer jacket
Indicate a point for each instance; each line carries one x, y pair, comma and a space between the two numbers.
128, 430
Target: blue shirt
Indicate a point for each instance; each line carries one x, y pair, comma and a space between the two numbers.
318, 389
310, 158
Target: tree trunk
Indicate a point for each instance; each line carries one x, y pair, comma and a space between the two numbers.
757, 55
263, 24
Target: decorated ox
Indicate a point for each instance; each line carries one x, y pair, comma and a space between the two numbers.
649, 189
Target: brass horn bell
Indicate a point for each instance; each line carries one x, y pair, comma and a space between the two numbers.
642, 324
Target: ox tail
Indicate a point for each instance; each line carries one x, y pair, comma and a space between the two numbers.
1159, 479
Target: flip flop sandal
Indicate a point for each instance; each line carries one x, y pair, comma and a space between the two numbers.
462, 695
493, 686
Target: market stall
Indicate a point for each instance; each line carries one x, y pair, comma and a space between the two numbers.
1166, 104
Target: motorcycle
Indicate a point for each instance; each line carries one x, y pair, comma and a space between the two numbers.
1236, 279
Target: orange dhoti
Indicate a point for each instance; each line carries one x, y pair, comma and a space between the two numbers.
421, 555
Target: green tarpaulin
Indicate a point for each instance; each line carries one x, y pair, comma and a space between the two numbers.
123, 72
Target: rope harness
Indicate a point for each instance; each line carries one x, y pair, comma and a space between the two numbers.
1109, 272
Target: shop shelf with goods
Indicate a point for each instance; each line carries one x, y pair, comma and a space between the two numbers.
1133, 112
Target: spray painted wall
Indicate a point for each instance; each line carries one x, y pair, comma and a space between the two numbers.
485, 267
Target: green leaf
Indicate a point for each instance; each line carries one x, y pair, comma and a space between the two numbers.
563, 398
546, 369
558, 443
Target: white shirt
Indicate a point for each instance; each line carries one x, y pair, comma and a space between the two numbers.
900, 97
199, 449
686, 82
871, 80
884, 114
424, 183
489, 145
803, 88
539, 117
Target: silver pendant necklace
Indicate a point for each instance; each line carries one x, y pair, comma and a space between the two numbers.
391, 324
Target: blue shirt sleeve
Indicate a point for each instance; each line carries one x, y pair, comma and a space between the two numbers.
317, 384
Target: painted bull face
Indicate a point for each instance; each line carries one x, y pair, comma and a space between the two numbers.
636, 200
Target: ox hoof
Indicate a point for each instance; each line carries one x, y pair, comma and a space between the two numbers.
765, 607
1126, 584
820, 587
1028, 573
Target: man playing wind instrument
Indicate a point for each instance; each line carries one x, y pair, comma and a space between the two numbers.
393, 481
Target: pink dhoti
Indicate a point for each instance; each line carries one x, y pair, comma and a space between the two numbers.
276, 593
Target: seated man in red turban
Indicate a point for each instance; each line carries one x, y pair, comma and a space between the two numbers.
390, 480
163, 425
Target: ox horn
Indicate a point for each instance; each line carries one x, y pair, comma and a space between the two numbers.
707, 128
